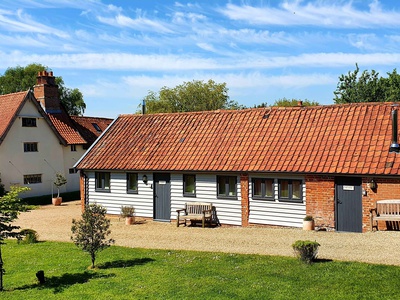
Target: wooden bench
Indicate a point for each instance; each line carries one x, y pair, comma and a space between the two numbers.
386, 210
195, 211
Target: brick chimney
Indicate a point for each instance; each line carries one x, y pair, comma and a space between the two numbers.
46, 92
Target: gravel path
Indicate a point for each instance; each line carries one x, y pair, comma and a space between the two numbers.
53, 223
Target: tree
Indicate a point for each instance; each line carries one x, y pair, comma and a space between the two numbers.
23, 78
190, 96
367, 87
284, 102
10, 207
90, 233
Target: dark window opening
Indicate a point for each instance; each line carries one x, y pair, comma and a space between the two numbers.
102, 181
189, 185
226, 186
132, 183
28, 122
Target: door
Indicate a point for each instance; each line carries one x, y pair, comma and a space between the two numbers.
348, 193
162, 197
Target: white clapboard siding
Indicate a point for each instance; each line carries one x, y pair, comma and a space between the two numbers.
228, 211
118, 196
273, 212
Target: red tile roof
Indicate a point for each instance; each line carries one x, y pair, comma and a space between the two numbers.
337, 139
69, 129
66, 128
86, 127
10, 105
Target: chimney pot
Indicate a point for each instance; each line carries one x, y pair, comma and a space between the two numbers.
300, 103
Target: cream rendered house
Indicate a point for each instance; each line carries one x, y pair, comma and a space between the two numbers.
39, 139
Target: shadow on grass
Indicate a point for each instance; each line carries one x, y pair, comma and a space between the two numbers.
125, 263
59, 283
322, 260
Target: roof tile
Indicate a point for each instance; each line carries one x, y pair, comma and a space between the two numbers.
326, 139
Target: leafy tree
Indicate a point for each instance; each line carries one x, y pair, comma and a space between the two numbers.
367, 87
284, 102
23, 78
190, 96
90, 233
10, 207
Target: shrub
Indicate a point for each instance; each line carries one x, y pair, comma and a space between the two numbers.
30, 236
308, 218
127, 211
306, 251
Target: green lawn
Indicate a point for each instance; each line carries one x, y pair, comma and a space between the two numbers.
125, 273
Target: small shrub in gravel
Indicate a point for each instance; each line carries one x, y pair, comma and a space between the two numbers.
30, 236
306, 251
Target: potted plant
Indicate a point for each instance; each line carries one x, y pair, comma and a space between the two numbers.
58, 182
128, 212
308, 223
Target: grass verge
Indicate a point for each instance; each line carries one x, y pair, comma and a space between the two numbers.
126, 273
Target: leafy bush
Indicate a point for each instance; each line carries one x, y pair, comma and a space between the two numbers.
308, 218
127, 211
306, 251
30, 236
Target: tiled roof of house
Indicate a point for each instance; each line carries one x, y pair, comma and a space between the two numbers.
337, 139
91, 127
66, 128
10, 104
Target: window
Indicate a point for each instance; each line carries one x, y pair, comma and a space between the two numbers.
33, 178
97, 127
263, 188
290, 190
102, 181
226, 186
30, 147
73, 148
73, 171
132, 183
28, 122
189, 185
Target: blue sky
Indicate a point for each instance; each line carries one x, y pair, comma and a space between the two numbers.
116, 51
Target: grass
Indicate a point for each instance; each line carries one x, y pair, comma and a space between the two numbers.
125, 273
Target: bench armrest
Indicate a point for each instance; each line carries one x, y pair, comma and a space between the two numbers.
180, 210
372, 210
207, 211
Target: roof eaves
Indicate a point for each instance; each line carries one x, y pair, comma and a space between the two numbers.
14, 117
95, 142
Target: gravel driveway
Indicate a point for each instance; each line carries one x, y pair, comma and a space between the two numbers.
53, 223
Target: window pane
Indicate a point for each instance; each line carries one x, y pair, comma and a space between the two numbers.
132, 181
257, 191
221, 186
189, 184
296, 189
232, 186
106, 181
284, 188
269, 188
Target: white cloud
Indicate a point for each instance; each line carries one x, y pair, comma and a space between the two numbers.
19, 21
140, 23
317, 13
172, 63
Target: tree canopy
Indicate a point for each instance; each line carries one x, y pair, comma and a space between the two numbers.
19, 79
367, 87
195, 95
284, 102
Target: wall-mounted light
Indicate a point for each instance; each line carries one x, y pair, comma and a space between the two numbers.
144, 178
372, 184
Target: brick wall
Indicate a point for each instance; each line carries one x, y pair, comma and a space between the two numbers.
320, 198
244, 186
387, 188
